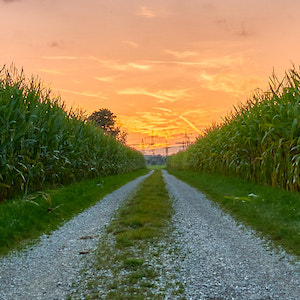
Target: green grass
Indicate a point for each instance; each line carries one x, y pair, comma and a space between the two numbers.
145, 216
275, 213
22, 220
156, 167
132, 242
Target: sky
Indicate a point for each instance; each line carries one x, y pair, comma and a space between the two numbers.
167, 69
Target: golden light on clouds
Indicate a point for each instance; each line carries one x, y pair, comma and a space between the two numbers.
105, 79
161, 95
146, 12
85, 94
230, 83
191, 124
182, 54
182, 118
167, 69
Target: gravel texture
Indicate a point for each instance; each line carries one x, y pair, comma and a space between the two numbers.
219, 259
106, 273
208, 253
48, 269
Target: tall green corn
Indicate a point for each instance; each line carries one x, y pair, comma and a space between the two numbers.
41, 144
258, 141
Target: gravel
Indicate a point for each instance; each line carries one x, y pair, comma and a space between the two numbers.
208, 253
219, 259
48, 269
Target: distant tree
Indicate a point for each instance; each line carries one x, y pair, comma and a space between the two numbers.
106, 120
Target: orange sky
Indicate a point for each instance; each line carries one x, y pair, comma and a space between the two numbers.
166, 68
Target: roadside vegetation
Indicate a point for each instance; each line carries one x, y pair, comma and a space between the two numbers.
128, 263
24, 219
274, 213
43, 145
258, 141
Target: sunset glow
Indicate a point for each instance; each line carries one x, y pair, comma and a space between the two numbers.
167, 69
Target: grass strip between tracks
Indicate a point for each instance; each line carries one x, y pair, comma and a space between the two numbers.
273, 212
24, 219
128, 260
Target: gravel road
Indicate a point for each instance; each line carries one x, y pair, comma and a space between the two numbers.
220, 259
47, 270
214, 257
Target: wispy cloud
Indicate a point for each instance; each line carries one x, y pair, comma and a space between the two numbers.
146, 12
172, 62
86, 94
105, 79
139, 66
161, 95
177, 94
139, 91
163, 109
61, 57
55, 72
131, 43
191, 124
182, 54
229, 83
180, 117
153, 118
161, 126
224, 61
144, 123
111, 64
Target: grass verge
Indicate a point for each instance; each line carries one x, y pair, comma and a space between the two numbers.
273, 212
25, 219
128, 262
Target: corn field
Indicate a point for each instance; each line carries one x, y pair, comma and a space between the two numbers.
258, 141
42, 144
